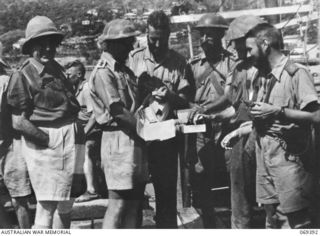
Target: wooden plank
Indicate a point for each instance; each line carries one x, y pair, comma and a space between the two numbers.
257, 12
296, 21
89, 210
189, 218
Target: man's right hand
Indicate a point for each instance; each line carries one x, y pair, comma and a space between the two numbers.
195, 109
22, 124
230, 139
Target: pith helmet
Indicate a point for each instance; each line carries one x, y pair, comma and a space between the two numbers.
37, 27
240, 26
118, 29
212, 20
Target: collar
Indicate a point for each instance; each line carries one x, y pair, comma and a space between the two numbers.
39, 66
80, 87
278, 69
110, 60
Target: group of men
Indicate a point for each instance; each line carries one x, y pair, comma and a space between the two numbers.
57, 120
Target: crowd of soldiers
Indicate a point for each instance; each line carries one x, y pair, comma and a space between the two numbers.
58, 119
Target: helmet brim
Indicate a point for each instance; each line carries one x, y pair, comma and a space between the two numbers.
28, 42
102, 37
199, 27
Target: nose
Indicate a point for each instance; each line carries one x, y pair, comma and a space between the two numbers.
204, 37
248, 54
47, 46
157, 44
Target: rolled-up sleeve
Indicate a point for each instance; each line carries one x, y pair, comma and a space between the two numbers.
19, 95
304, 88
106, 89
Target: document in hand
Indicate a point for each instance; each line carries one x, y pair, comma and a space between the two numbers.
162, 130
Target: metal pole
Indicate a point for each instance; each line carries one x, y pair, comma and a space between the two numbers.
190, 40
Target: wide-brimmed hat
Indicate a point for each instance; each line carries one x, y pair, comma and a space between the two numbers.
40, 26
118, 29
241, 25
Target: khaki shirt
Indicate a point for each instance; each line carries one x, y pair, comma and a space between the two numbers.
43, 92
206, 91
209, 82
171, 71
111, 83
243, 86
294, 89
83, 97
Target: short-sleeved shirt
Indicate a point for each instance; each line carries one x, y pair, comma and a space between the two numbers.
43, 92
209, 82
244, 86
171, 70
294, 89
204, 73
111, 83
83, 96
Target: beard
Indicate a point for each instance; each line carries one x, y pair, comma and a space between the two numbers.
260, 61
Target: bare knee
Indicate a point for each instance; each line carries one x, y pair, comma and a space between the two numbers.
18, 202
117, 206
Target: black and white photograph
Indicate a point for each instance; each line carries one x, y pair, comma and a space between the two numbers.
159, 114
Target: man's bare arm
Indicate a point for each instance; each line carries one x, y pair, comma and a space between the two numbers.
220, 103
30, 131
311, 113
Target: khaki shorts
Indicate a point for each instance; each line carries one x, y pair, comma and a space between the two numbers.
281, 177
123, 161
52, 169
15, 173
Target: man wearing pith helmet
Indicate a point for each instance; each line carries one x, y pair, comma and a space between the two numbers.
114, 98
44, 112
209, 69
242, 86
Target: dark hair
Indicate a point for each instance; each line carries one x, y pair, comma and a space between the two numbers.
267, 32
78, 64
159, 20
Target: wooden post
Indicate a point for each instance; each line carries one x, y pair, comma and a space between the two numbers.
190, 41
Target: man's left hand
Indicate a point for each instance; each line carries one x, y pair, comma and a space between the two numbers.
264, 110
